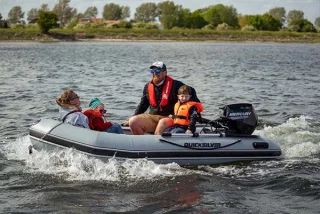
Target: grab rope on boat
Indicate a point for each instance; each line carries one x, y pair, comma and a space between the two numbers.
50, 130
175, 144
30, 147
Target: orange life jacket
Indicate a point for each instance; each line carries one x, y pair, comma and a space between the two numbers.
165, 92
91, 114
181, 112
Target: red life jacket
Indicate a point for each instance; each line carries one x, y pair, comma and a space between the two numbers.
181, 112
91, 114
165, 92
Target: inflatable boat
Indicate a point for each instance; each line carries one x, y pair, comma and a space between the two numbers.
228, 139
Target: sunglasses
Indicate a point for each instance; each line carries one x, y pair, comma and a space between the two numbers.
102, 111
75, 97
157, 71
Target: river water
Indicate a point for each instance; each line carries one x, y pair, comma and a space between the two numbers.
280, 80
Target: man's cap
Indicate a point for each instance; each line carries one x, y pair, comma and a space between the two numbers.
159, 65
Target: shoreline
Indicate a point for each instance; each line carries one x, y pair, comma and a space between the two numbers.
199, 41
161, 40
159, 36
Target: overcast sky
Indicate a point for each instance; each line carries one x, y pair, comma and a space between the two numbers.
311, 8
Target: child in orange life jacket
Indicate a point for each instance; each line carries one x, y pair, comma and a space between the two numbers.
186, 112
96, 119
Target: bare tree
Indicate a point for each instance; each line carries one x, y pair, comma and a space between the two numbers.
125, 12
91, 12
317, 22
15, 15
64, 11
146, 12
32, 14
44, 7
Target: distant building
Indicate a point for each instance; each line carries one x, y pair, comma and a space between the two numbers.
113, 21
97, 20
93, 20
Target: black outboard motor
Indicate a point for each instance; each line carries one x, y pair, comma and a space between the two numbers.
240, 118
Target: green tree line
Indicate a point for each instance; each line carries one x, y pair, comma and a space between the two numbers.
171, 15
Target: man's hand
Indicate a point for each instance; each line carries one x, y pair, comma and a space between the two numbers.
188, 131
125, 123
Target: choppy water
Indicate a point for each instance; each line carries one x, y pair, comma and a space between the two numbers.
281, 80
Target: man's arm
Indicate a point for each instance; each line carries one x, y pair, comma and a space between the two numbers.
194, 95
144, 102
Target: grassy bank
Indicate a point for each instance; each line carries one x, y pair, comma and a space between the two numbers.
160, 35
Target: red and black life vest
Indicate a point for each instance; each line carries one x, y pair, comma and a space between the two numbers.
165, 92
